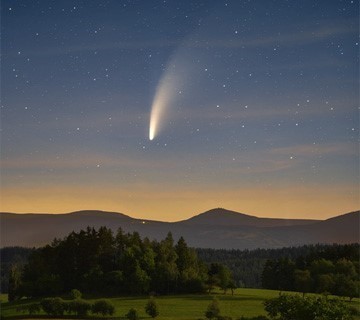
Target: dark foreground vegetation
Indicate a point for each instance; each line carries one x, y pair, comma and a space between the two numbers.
11, 257
97, 262
293, 307
57, 307
111, 263
330, 270
41, 282
247, 266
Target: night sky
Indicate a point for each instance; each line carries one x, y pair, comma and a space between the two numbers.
260, 116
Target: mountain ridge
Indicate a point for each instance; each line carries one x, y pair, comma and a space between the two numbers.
207, 212
234, 218
216, 228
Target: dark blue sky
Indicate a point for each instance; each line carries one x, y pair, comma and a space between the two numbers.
263, 115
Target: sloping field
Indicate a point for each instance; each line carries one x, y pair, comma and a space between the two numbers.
244, 302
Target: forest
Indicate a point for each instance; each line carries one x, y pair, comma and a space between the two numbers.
332, 270
247, 266
99, 262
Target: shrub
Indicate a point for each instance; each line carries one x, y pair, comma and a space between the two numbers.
103, 307
287, 307
213, 310
80, 307
75, 294
32, 308
132, 314
151, 308
53, 306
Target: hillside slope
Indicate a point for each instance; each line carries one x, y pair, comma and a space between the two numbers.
223, 217
218, 228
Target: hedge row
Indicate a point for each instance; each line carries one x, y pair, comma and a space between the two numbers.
79, 307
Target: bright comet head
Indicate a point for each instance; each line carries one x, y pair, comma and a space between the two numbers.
157, 110
165, 94
151, 134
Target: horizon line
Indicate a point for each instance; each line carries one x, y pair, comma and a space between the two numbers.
120, 213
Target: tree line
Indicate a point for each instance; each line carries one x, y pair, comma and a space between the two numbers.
331, 270
247, 265
10, 257
80, 308
99, 262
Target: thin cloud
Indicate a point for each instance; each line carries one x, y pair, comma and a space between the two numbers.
294, 39
310, 150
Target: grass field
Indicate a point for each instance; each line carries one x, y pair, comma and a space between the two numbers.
245, 302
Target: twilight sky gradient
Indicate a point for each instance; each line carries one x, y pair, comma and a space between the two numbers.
262, 105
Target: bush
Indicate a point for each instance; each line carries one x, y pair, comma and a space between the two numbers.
53, 306
80, 307
213, 310
31, 309
151, 308
132, 314
287, 307
103, 307
75, 294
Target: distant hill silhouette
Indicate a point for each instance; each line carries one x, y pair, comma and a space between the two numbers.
216, 228
223, 217
340, 229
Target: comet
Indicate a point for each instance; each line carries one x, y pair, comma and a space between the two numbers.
167, 92
177, 75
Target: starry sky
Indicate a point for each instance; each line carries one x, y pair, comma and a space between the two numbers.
263, 117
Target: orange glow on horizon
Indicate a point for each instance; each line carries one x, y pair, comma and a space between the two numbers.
175, 205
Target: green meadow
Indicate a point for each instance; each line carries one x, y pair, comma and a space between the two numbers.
244, 302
